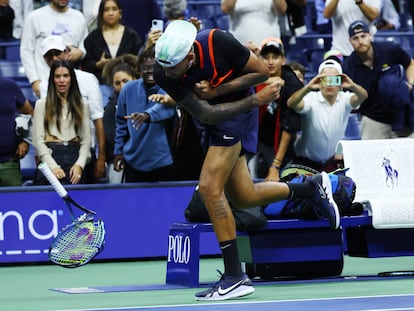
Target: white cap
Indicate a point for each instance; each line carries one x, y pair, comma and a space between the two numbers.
175, 43
53, 42
330, 63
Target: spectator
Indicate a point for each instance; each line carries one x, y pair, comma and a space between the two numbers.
367, 65
299, 70
292, 23
21, 9
109, 40
278, 124
323, 25
53, 48
175, 9
253, 20
141, 143
219, 97
57, 18
7, 17
389, 17
11, 148
140, 20
117, 73
325, 109
185, 136
90, 10
61, 130
343, 13
335, 55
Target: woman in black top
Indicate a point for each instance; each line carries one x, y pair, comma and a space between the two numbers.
110, 40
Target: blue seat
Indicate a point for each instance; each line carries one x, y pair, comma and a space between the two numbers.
353, 128
28, 92
10, 50
12, 70
28, 166
316, 59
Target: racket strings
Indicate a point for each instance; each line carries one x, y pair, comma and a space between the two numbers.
78, 243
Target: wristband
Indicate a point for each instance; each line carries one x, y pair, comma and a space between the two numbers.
359, 2
276, 167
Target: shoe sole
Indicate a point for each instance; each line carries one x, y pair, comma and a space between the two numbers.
239, 292
326, 183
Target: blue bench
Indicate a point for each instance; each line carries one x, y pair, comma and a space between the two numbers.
292, 246
361, 239
288, 248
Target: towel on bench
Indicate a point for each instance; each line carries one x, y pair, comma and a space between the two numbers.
384, 174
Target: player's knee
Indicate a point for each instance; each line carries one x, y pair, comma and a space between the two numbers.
209, 193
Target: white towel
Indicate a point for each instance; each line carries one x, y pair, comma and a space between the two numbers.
383, 171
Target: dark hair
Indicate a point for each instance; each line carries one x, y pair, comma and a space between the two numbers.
127, 63
53, 110
297, 66
148, 53
100, 20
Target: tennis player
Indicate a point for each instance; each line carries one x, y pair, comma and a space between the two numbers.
209, 74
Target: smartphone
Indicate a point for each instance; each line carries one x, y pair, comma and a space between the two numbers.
332, 81
157, 24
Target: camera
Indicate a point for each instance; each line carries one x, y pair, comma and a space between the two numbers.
332, 81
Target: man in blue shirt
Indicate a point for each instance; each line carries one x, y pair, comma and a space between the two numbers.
141, 143
11, 148
366, 65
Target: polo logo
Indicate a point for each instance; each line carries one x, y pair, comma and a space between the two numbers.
179, 249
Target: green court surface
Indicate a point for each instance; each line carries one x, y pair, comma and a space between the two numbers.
29, 287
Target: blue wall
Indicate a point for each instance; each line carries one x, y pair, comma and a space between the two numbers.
137, 219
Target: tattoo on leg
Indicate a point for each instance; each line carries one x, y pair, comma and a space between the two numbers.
219, 209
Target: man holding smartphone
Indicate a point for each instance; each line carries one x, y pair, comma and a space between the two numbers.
325, 109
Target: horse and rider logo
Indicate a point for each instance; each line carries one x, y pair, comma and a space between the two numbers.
391, 174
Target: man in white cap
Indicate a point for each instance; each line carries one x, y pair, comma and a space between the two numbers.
325, 109
56, 18
54, 48
209, 74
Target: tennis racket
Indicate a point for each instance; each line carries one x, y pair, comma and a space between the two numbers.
82, 239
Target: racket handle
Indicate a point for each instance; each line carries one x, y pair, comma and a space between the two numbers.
44, 168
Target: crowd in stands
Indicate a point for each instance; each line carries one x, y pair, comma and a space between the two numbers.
100, 117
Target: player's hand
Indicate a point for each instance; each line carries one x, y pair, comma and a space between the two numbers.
269, 93
253, 47
204, 90
119, 162
138, 118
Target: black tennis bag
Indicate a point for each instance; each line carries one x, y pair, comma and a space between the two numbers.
246, 219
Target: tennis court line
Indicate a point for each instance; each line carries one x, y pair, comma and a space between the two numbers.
246, 304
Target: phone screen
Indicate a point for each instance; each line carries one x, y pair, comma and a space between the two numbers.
332, 81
